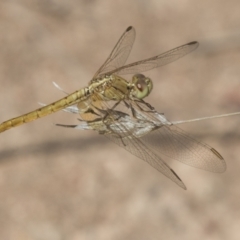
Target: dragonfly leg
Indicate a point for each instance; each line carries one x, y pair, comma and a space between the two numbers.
151, 108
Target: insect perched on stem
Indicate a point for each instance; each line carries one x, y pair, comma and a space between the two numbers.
114, 107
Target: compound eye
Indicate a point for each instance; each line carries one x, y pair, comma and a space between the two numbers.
142, 86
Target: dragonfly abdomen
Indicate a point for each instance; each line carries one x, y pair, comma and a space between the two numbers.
46, 110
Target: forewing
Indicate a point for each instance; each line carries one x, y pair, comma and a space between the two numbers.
171, 141
120, 52
136, 147
157, 61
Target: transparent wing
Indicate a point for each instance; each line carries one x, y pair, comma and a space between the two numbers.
171, 141
156, 61
120, 52
136, 147
148, 131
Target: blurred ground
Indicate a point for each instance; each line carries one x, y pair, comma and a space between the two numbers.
58, 184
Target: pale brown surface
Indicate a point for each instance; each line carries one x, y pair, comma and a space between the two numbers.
58, 184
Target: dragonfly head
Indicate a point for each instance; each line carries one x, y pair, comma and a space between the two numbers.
142, 86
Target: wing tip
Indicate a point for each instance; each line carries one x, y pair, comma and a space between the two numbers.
179, 182
129, 28
216, 153
223, 166
193, 43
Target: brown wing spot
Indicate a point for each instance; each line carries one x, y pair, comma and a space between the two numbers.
192, 43
129, 28
176, 175
181, 184
217, 153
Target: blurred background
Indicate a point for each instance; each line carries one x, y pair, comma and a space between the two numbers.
57, 183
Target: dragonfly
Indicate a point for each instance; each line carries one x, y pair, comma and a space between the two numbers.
115, 108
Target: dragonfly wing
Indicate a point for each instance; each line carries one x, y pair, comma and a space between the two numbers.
166, 139
120, 52
173, 142
136, 147
157, 61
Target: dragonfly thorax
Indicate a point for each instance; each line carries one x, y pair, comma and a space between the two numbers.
142, 86
115, 88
